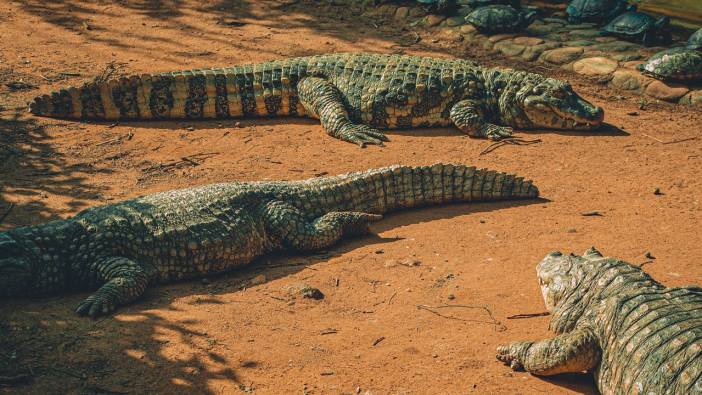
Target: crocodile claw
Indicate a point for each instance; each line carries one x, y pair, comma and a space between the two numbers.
508, 355
95, 305
495, 132
362, 135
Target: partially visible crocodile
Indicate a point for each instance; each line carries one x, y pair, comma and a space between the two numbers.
352, 94
124, 247
638, 336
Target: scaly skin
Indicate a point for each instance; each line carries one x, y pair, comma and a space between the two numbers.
353, 95
638, 336
123, 248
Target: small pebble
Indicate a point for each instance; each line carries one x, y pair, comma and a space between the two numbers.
451, 297
649, 255
658, 192
327, 372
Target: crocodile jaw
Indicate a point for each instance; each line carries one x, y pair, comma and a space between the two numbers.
554, 278
567, 113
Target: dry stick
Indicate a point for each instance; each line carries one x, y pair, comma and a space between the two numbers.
493, 322
653, 138
529, 315
681, 140
512, 141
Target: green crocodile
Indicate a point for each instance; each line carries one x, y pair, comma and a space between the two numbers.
353, 95
122, 248
638, 336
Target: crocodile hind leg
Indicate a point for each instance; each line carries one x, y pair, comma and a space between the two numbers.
323, 100
290, 226
469, 117
576, 351
126, 281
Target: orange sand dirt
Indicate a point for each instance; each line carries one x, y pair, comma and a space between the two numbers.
246, 332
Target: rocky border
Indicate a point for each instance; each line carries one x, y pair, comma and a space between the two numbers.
553, 42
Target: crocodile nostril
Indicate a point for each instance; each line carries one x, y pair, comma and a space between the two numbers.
555, 254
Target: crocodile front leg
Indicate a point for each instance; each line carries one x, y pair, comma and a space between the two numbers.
469, 117
288, 224
576, 351
126, 281
323, 100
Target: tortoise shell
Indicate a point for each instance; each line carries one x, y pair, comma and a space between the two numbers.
695, 40
679, 64
596, 10
632, 24
500, 18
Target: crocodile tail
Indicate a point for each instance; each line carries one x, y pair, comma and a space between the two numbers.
266, 89
399, 187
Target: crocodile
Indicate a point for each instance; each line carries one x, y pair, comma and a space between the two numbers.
638, 336
122, 248
354, 95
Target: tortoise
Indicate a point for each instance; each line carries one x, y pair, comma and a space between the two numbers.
500, 18
438, 6
640, 26
695, 40
596, 11
679, 64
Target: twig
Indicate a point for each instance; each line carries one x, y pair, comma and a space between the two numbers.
7, 212
652, 138
528, 315
493, 322
378, 340
508, 141
681, 140
391, 297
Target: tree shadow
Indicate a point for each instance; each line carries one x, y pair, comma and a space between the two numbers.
48, 346
31, 169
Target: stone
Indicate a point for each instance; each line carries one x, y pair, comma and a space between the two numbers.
665, 92
468, 29
693, 98
595, 66
560, 37
532, 53
562, 55
590, 33
627, 56
555, 20
626, 80
416, 12
433, 20
605, 39
509, 48
499, 37
258, 280
540, 30
402, 13
530, 41
455, 21
578, 43
617, 46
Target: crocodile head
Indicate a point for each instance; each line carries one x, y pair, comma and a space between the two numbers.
536, 102
16, 272
557, 275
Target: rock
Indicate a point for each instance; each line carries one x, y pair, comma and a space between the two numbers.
578, 43
260, 279
626, 80
617, 46
562, 55
556, 20
605, 39
468, 29
532, 53
559, 37
433, 20
595, 66
582, 26
693, 98
311, 293
591, 33
662, 91
411, 262
416, 12
508, 48
627, 56
531, 41
402, 13
499, 37
455, 21
540, 30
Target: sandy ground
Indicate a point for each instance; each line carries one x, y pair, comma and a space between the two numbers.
232, 335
